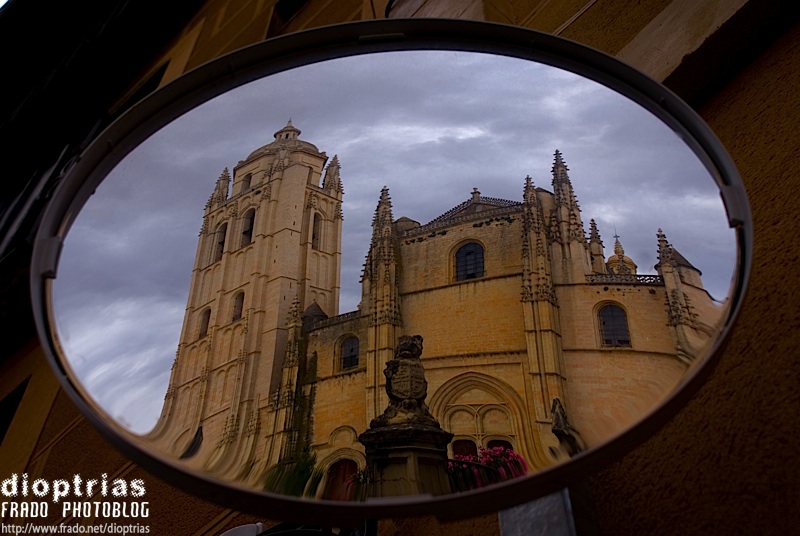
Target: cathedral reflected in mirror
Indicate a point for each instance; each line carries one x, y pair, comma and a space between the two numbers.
539, 339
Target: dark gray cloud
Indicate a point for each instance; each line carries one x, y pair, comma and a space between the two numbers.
430, 126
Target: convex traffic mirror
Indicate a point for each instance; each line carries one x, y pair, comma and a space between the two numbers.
392, 267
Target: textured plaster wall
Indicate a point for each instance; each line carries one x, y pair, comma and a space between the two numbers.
728, 463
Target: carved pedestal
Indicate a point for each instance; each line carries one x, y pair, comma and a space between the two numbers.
406, 447
407, 459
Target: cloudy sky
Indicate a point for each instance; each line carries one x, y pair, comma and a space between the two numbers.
430, 126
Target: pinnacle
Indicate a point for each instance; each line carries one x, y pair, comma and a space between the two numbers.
618, 250
332, 180
560, 176
662, 239
385, 195
594, 234
558, 161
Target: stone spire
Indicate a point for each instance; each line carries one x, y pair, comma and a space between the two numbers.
567, 225
566, 235
670, 257
596, 251
379, 279
380, 299
220, 193
536, 280
680, 314
529, 192
382, 228
594, 234
540, 303
333, 180
664, 250
562, 186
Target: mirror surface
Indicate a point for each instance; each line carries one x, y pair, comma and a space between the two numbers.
554, 311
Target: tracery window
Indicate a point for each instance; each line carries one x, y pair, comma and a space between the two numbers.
248, 222
469, 261
614, 326
349, 353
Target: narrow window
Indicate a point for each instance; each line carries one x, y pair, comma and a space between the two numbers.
205, 318
219, 245
339, 486
194, 446
465, 447
469, 261
238, 305
246, 182
247, 227
614, 326
316, 231
349, 353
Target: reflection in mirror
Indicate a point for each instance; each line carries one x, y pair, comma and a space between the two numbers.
457, 315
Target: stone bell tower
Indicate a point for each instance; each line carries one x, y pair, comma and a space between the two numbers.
270, 241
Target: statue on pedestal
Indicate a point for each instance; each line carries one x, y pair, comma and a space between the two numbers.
405, 446
406, 387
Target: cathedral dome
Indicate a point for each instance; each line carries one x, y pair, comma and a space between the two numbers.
287, 137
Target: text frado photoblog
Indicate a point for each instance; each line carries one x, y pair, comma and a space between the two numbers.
77, 497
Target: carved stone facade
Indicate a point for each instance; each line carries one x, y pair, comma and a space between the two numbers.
520, 310
270, 246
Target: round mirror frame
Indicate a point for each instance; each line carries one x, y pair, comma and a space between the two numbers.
295, 50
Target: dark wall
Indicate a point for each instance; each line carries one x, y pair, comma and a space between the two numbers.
729, 462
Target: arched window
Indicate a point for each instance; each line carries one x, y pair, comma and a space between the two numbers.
465, 447
316, 231
349, 353
248, 221
219, 243
246, 182
205, 318
194, 446
238, 305
614, 326
469, 261
339, 486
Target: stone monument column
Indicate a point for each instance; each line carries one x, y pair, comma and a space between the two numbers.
406, 447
